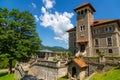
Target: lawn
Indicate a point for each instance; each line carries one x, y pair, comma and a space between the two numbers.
113, 74
5, 76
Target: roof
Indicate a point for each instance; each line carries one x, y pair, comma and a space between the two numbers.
99, 22
80, 62
82, 41
84, 5
72, 29
45, 50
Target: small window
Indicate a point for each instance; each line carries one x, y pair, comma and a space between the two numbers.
85, 10
110, 51
109, 41
96, 42
109, 29
82, 12
96, 31
97, 50
78, 12
106, 29
82, 27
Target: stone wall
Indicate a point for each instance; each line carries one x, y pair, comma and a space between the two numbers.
95, 66
49, 73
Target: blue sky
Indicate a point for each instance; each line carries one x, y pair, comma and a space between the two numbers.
54, 17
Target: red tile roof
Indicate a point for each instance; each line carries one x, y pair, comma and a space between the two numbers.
80, 62
84, 5
99, 22
82, 41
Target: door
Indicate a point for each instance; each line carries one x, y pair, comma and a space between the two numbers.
82, 47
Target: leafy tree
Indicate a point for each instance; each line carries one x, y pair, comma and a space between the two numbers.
18, 37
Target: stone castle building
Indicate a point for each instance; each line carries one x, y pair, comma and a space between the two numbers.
91, 36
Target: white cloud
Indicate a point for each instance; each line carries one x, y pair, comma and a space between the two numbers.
36, 18
59, 22
34, 5
43, 9
49, 3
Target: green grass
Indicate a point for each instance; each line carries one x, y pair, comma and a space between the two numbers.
113, 74
5, 76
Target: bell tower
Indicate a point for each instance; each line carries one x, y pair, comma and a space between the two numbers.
84, 20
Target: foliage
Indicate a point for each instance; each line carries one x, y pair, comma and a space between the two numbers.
70, 55
4, 63
18, 37
55, 58
5, 76
113, 74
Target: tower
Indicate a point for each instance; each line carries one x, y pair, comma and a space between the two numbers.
84, 20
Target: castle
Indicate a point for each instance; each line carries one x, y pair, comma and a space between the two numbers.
92, 36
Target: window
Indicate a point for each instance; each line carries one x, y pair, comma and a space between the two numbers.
109, 41
96, 31
97, 50
110, 51
85, 10
82, 12
109, 29
96, 42
82, 28
78, 12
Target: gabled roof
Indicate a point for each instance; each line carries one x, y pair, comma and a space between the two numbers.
84, 5
80, 62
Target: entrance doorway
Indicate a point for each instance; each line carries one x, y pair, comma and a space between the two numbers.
73, 71
82, 47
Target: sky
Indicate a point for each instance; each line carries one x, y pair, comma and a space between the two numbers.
54, 17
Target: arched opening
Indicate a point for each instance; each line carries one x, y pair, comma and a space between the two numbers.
85, 10
81, 12
73, 71
78, 12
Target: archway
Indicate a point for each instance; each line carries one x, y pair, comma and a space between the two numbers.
73, 71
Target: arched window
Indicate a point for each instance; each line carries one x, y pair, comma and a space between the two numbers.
78, 12
81, 12
85, 10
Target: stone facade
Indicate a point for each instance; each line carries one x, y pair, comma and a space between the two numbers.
48, 70
93, 36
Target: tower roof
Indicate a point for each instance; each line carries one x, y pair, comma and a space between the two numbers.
84, 5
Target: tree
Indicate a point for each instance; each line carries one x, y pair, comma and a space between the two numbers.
18, 37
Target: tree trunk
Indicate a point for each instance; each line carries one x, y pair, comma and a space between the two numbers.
10, 67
